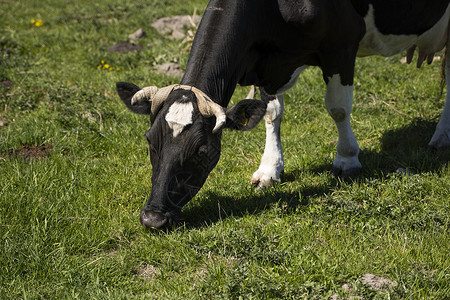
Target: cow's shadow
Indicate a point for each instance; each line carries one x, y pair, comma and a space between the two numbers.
404, 148
214, 208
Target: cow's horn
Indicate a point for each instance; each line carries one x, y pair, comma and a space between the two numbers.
153, 94
207, 107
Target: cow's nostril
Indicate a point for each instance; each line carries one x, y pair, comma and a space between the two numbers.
151, 219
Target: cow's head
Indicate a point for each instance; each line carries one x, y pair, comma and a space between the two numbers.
184, 142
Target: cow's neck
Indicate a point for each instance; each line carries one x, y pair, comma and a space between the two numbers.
214, 65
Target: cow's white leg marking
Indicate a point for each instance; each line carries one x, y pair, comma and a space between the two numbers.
272, 162
179, 116
441, 136
338, 101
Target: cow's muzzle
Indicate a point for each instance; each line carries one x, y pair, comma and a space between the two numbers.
181, 189
157, 220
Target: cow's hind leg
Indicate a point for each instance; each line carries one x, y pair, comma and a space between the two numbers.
338, 101
272, 162
441, 136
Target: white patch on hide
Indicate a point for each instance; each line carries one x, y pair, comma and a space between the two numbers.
179, 116
338, 95
338, 101
434, 39
375, 43
292, 81
272, 162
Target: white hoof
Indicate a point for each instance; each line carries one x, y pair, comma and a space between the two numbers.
346, 166
264, 177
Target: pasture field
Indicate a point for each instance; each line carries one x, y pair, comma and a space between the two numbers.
69, 223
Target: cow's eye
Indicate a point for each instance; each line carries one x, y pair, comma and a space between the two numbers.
203, 150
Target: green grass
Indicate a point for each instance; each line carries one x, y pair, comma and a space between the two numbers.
69, 223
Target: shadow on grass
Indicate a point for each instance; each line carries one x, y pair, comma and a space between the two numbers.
216, 207
405, 147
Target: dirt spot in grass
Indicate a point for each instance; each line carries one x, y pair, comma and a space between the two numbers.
3, 123
138, 34
336, 297
377, 283
346, 288
170, 69
30, 152
148, 272
175, 27
125, 47
7, 83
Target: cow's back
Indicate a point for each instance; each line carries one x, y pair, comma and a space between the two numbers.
393, 26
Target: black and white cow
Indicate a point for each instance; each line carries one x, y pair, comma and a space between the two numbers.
268, 43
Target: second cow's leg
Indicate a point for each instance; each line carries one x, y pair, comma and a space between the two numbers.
441, 136
272, 162
338, 101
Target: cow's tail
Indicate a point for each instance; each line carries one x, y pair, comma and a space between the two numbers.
443, 62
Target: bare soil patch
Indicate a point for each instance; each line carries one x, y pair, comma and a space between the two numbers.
148, 272
377, 282
125, 47
138, 34
7, 83
175, 27
170, 69
30, 152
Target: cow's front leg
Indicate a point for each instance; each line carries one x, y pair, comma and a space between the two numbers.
272, 162
338, 101
441, 136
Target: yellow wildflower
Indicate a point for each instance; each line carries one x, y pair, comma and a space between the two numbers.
37, 23
106, 66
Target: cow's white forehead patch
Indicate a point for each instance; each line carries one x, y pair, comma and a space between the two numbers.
179, 116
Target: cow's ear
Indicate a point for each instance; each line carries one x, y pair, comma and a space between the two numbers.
245, 115
126, 91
